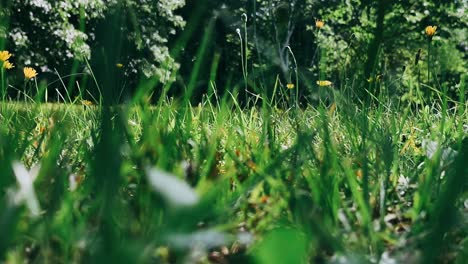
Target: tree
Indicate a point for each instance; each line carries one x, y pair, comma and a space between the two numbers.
51, 34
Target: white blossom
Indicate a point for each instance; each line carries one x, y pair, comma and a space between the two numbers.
26, 191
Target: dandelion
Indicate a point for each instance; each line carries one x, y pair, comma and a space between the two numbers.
319, 23
290, 85
324, 83
430, 31
119, 65
29, 73
4, 55
86, 103
8, 65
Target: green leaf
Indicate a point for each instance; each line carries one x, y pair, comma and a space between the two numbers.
283, 245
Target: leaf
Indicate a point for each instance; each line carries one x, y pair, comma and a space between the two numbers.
175, 191
283, 245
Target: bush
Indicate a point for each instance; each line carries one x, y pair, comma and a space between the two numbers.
50, 34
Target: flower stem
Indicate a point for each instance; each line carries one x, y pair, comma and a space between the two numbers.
3, 84
296, 76
24, 89
428, 61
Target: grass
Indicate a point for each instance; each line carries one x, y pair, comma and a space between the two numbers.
273, 179
253, 185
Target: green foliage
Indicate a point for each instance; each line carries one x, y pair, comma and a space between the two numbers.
177, 183
340, 170
52, 34
344, 42
273, 248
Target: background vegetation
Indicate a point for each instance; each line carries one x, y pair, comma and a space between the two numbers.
57, 37
233, 131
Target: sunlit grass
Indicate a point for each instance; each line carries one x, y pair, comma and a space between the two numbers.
257, 169
257, 174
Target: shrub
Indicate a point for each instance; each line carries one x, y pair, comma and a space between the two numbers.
52, 34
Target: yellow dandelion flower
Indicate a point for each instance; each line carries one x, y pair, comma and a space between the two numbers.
86, 103
290, 85
4, 55
319, 23
119, 65
324, 83
430, 31
8, 65
29, 72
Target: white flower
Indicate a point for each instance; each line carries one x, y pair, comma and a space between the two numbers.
42, 4
174, 190
19, 37
26, 191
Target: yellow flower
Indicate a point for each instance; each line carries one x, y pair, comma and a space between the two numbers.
86, 103
8, 65
4, 55
430, 31
319, 23
290, 85
324, 83
29, 72
119, 65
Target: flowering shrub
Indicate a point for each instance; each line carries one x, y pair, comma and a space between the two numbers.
51, 34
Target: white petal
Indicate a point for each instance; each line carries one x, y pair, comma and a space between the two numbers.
34, 171
26, 191
176, 191
21, 174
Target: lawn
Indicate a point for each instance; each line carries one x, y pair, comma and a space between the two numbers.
220, 183
269, 132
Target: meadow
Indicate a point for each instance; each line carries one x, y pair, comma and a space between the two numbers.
336, 169
236, 185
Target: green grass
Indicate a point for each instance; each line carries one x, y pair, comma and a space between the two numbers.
356, 175
272, 185
349, 173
